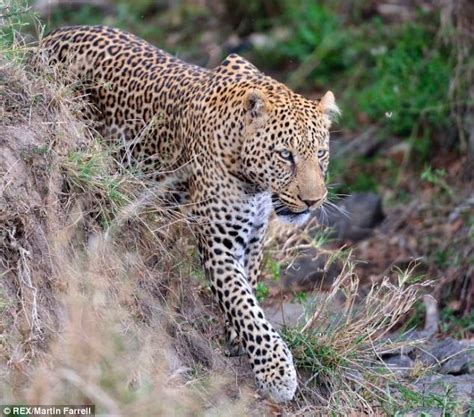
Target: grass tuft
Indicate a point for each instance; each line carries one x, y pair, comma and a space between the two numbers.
346, 331
340, 347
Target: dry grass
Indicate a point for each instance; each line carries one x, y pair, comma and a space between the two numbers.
346, 331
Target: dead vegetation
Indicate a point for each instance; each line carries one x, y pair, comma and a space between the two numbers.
347, 329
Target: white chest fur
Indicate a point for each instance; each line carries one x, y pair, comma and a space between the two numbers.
256, 212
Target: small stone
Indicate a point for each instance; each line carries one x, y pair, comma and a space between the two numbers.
449, 355
286, 314
457, 388
401, 365
309, 271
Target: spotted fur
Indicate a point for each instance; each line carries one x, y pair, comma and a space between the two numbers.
234, 143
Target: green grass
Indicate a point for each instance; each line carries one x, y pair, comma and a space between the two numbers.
84, 15
301, 297
409, 81
416, 319
455, 326
274, 268
15, 16
445, 403
93, 171
396, 76
436, 177
313, 355
339, 346
261, 291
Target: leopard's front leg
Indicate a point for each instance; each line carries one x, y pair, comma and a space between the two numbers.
252, 264
269, 356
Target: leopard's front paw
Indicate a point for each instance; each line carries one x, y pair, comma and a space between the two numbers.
275, 371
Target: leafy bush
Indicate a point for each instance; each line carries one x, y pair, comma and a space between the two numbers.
409, 81
395, 75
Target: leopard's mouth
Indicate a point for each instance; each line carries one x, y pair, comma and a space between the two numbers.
288, 215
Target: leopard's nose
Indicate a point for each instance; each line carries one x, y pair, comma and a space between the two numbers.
312, 203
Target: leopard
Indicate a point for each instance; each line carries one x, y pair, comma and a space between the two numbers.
234, 147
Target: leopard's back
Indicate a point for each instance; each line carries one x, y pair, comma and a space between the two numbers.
139, 93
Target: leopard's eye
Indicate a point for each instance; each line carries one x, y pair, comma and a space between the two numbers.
322, 153
286, 155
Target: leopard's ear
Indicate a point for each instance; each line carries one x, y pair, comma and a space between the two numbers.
257, 108
328, 106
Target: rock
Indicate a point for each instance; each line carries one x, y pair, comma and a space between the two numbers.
398, 11
452, 393
419, 336
413, 339
401, 365
309, 271
458, 389
424, 412
460, 363
449, 356
296, 314
268, 41
358, 215
287, 314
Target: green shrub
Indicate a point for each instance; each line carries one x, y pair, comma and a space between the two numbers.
394, 75
408, 83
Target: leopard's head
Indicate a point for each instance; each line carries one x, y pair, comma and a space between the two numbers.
286, 148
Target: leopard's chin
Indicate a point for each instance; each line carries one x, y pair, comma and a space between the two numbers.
289, 216
294, 218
